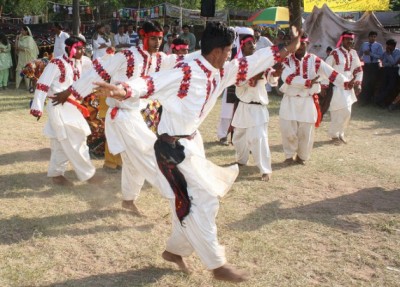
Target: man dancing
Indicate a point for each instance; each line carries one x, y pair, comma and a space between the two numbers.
66, 126
343, 59
191, 182
251, 117
299, 112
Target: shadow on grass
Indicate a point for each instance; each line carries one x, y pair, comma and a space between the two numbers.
140, 277
17, 229
22, 156
364, 201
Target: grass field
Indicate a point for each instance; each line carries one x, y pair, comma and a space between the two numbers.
332, 222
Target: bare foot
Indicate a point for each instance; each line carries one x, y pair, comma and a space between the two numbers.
96, 179
265, 177
177, 259
229, 273
130, 204
61, 180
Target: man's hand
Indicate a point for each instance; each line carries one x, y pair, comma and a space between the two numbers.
278, 67
315, 80
109, 90
294, 44
60, 98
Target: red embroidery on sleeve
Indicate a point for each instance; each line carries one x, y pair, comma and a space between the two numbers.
42, 87
74, 93
333, 76
317, 64
60, 66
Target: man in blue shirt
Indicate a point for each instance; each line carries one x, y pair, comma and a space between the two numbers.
370, 53
133, 36
390, 75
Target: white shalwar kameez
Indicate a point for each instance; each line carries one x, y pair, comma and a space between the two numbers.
187, 94
251, 122
348, 64
225, 116
127, 132
66, 127
298, 113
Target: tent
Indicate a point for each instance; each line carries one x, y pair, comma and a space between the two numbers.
324, 28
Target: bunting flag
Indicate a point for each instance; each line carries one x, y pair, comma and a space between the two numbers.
348, 5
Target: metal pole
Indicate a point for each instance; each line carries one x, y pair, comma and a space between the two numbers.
180, 15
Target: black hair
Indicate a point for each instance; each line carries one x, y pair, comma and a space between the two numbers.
151, 27
216, 35
72, 40
166, 26
3, 39
180, 41
185, 26
25, 28
373, 33
329, 48
348, 32
58, 25
391, 42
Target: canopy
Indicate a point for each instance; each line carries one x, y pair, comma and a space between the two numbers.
272, 16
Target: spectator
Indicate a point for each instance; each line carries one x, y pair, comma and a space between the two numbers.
166, 32
328, 51
110, 35
167, 46
132, 35
59, 40
5, 61
189, 37
100, 42
279, 40
261, 41
27, 51
121, 39
370, 53
390, 61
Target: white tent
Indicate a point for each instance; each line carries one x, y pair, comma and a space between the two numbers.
324, 28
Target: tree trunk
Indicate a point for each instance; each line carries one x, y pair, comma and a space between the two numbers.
295, 13
75, 18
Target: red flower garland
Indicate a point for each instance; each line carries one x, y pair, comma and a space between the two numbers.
335, 56
100, 71
130, 63
158, 63
277, 55
42, 87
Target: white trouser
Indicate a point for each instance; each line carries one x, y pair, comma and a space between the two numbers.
297, 138
223, 127
199, 232
131, 178
339, 122
73, 149
254, 140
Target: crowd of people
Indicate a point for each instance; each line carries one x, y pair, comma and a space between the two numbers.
145, 94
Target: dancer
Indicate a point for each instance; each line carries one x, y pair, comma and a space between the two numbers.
251, 117
343, 59
66, 126
299, 112
187, 94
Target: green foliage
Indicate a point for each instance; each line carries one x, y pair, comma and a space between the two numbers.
395, 5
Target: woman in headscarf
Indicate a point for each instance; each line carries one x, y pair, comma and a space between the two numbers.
27, 51
5, 60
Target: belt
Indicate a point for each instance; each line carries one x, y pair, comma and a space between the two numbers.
252, 103
172, 139
85, 112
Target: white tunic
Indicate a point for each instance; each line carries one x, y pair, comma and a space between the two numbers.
57, 77
348, 64
297, 103
59, 44
249, 114
97, 51
187, 94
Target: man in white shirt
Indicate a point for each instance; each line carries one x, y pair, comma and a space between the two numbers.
59, 40
121, 39
261, 41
